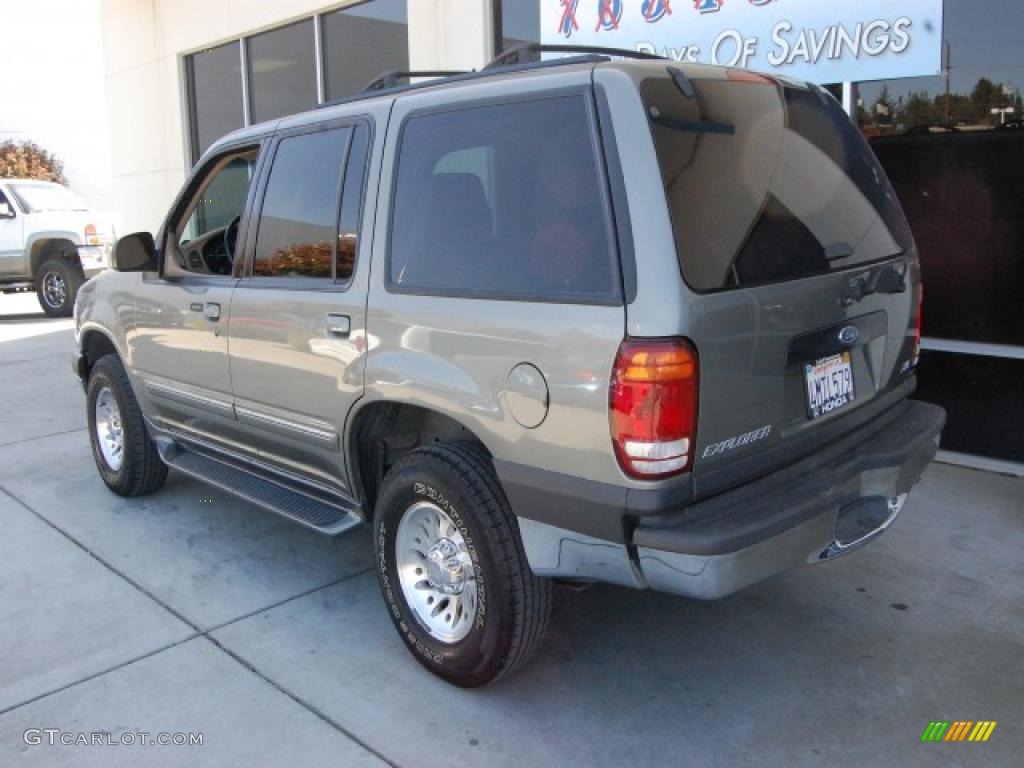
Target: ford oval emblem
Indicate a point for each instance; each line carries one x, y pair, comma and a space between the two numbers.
849, 334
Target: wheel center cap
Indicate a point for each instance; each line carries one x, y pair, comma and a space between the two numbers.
444, 567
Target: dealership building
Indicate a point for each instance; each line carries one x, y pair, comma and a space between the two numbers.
936, 86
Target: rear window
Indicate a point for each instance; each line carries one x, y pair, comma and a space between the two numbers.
504, 201
767, 182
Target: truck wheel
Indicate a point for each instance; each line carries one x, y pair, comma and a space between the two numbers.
452, 568
125, 454
57, 284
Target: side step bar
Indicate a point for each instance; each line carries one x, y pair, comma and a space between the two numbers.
333, 517
17, 287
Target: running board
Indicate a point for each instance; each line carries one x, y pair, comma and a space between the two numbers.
332, 517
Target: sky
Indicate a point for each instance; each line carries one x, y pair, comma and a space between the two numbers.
52, 90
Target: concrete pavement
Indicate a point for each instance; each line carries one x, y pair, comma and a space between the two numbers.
188, 611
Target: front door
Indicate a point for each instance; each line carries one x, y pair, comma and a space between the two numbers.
297, 315
180, 346
12, 249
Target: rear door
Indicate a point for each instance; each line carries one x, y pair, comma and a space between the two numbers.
496, 289
298, 315
798, 262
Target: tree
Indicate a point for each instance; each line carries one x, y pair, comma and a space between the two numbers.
961, 108
27, 160
919, 110
984, 97
885, 108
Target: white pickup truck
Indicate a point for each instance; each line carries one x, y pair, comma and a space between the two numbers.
50, 242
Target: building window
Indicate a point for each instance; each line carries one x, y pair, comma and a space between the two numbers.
214, 78
282, 71
357, 44
953, 146
361, 42
519, 22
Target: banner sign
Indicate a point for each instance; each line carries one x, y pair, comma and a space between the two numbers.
819, 40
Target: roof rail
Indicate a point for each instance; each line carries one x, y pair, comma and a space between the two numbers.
390, 79
387, 83
515, 54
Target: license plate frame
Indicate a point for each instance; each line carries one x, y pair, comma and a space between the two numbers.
828, 385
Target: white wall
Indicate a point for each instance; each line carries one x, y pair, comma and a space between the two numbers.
52, 89
143, 43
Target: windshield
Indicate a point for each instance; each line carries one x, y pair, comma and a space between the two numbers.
47, 197
768, 182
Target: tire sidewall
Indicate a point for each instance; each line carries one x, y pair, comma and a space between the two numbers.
481, 649
70, 288
99, 379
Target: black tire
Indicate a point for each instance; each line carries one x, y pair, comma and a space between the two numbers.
514, 605
141, 470
70, 276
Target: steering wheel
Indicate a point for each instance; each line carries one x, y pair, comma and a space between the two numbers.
231, 239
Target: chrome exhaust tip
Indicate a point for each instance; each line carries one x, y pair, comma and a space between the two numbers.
860, 522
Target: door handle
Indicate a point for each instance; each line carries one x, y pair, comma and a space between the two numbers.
338, 325
211, 311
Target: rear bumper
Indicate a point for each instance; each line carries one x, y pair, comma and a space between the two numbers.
819, 508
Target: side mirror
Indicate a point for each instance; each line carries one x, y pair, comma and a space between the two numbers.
6, 212
135, 253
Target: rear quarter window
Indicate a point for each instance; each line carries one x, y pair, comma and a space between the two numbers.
503, 200
764, 179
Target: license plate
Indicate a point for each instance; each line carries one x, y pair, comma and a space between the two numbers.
829, 384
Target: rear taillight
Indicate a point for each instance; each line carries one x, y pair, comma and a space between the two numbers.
90, 234
653, 406
916, 328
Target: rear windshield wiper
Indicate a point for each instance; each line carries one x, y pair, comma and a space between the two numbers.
690, 126
682, 82
694, 126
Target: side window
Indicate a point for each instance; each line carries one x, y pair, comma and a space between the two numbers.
5, 205
478, 161
505, 200
352, 204
299, 219
208, 232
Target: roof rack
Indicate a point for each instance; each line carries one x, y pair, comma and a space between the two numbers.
515, 54
387, 83
390, 79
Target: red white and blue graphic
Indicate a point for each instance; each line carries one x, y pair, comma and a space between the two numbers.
708, 6
655, 10
824, 42
609, 14
567, 24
